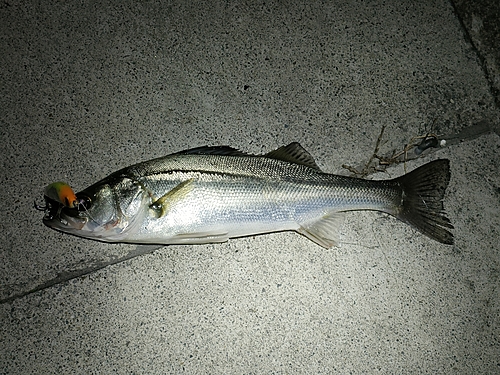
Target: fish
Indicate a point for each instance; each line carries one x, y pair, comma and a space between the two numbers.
212, 193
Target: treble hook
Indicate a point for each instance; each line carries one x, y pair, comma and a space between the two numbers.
40, 208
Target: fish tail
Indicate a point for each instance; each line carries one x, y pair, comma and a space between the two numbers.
422, 200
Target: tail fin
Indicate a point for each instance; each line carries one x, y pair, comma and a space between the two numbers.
422, 202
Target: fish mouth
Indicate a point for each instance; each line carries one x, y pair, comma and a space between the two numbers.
64, 223
79, 223
62, 218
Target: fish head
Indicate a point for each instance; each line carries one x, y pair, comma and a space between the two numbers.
107, 211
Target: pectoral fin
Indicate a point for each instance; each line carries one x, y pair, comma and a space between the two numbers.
325, 231
161, 206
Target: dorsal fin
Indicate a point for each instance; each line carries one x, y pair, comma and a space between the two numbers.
294, 153
213, 150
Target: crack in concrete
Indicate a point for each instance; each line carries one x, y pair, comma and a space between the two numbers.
67, 276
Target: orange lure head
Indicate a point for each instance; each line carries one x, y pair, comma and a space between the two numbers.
61, 192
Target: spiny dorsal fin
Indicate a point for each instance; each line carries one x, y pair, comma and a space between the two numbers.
294, 153
213, 150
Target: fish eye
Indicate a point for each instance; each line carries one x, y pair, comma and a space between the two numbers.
83, 202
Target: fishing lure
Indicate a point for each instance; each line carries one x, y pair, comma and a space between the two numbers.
61, 192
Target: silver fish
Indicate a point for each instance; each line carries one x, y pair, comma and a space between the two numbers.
211, 194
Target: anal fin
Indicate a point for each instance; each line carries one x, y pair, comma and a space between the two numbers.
324, 231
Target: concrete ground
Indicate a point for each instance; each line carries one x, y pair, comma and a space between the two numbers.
90, 87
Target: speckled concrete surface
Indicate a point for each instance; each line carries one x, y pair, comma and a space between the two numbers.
88, 88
